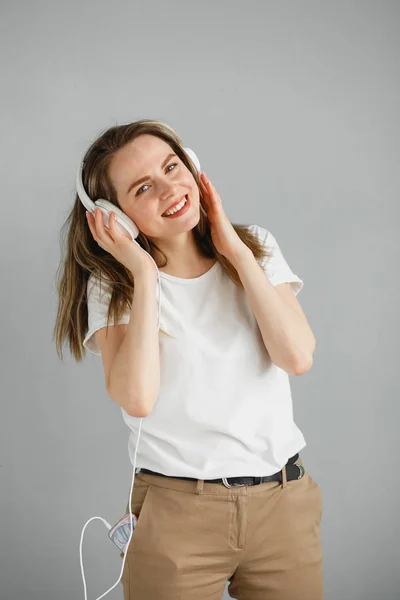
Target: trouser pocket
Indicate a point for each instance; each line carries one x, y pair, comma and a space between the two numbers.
139, 494
312, 489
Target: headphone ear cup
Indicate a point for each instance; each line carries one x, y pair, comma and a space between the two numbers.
192, 155
124, 223
109, 206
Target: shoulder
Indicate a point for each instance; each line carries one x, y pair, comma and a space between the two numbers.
263, 234
275, 263
98, 290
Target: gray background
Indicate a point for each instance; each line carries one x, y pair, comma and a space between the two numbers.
293, 110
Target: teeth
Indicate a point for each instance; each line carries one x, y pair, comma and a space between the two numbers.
176, 208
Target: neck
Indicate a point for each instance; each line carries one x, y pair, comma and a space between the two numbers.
183, 255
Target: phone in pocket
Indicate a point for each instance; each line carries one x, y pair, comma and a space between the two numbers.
120, 532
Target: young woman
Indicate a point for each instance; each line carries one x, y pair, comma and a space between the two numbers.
222, 494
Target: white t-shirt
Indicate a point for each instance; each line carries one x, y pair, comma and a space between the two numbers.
224, 409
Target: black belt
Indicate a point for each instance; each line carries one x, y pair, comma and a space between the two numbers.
292, 472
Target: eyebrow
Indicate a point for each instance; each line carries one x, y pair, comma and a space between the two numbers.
135, 183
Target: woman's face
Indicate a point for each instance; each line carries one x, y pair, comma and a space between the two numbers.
165, 182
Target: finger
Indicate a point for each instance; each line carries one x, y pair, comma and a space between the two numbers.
112, 226
212, 191
100, 227
206, 186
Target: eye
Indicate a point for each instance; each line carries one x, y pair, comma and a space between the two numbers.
141, 188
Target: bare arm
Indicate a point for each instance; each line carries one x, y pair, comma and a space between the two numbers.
134, 379
284, 328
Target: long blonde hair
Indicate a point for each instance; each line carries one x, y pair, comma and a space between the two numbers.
81, 255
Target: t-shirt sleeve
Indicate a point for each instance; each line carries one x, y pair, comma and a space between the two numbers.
275, 266
98, 300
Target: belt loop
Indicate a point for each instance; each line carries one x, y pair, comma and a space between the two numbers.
284, 477
199, 488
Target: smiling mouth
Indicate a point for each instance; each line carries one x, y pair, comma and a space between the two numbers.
174, 212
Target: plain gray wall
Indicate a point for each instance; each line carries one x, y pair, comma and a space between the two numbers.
293, 110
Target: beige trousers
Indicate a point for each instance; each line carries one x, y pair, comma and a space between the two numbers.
193, 537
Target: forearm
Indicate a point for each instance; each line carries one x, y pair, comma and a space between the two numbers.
286, 335
135, 372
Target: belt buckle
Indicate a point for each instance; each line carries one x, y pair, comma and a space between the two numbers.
228, 485
302, 471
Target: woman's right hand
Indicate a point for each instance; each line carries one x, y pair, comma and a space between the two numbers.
122, 247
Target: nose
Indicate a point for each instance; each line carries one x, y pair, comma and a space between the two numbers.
168, 191
169, 194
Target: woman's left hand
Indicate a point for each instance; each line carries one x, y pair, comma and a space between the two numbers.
223, 235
